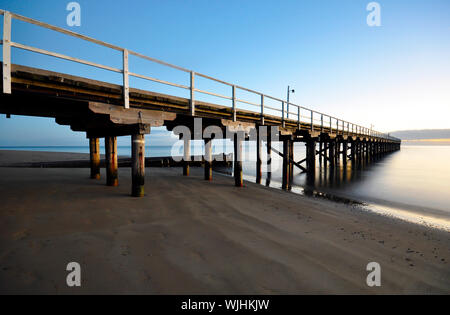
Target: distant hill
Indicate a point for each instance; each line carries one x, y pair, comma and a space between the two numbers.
422, 134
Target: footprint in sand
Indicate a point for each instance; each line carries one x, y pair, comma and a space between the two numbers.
20, 235
125, 250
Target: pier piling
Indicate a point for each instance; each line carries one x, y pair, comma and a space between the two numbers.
238, 180
320, 153
291, 163
94, 153
344, 153
186, 156
111, 161
269, 156
208, 159
258, 155
331, 149
310, 160
138, 165
338, 152
286, 154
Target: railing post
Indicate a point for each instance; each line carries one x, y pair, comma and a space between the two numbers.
331, 126
192, 100
298, 118
312, 121
262, 109
7, 52
234, 102
282, 114
126, 82
321, 122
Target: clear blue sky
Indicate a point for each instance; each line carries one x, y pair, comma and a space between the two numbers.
396, 76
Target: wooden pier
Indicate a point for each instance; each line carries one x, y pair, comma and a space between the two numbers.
104, 110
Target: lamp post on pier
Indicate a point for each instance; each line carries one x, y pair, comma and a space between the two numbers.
289, 90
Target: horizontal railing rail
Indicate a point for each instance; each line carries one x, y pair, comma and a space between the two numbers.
304, 117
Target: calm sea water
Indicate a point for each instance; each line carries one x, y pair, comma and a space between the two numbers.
413, 183
156, 151
124, 151
416, 178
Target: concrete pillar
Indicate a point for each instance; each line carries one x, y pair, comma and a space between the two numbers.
325, 154
94, 153
137, 165
238, 180
186, 156
208, 159
111, 161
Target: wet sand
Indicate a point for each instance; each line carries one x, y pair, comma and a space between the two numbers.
188, 236
10, 157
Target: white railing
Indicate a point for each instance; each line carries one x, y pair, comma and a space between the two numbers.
308, 117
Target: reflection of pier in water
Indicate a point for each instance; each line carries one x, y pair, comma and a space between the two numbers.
336, 164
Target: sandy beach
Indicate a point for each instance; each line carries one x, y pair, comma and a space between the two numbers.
189, 236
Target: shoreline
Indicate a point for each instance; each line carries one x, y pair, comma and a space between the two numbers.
432, 218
